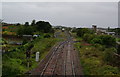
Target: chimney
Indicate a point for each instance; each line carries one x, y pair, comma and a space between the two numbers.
94, 27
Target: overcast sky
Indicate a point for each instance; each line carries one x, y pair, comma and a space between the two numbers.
73, 14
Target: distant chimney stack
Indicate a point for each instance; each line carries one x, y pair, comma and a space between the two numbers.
94, 27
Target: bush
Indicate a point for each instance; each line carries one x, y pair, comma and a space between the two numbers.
24, 42
99, 59
91, 65
25, 30
100, 47
108, 40
88, 37
118, 40
47, 36
82, 31
3, 41
109, 55
96, 41
12, 68
108, 70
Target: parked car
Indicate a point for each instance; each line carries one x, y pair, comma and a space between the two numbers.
36, 35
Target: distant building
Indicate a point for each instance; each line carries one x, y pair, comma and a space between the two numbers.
110, 33
102, 30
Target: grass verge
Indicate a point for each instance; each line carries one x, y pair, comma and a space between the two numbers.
15, 62
92, 60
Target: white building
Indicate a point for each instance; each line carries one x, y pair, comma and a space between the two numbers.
110, 33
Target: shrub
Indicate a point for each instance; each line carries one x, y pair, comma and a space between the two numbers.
91, 65
25, 30
96, 41
118, 40
108, 70
47, 36
24, 41
88, 37
109, 55
12, 68
82, 31
108, 40
100, 47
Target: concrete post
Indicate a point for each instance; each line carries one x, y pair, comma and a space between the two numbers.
37, 56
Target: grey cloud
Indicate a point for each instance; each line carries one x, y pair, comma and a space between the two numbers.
78, 14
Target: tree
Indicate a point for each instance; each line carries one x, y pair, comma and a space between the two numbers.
108, 28
26, 23
88, 37
23, 30
96, 41
108, 40
18, 24
82, 31
43, 26
33, 23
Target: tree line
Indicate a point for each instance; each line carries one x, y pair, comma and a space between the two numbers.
89, 36
30, 29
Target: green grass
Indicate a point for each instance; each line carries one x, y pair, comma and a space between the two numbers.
15, 63
43, 46
118, 39
91, 58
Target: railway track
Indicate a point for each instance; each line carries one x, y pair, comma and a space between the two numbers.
51, 64
61, 61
